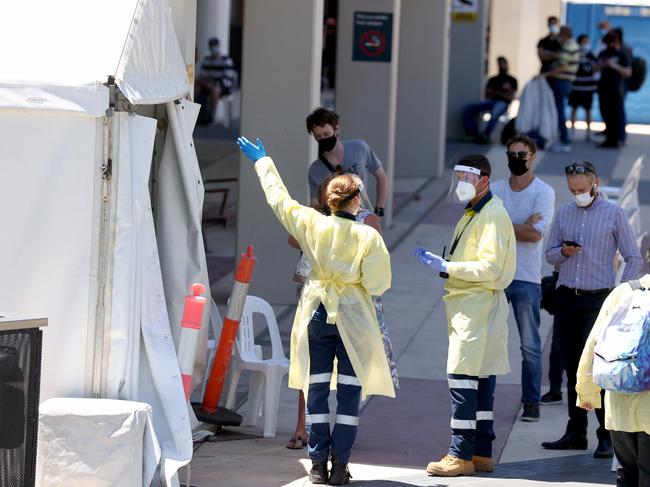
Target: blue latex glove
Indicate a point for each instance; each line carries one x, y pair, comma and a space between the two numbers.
433, 261
250, 150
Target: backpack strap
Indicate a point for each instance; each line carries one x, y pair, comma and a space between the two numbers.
338, 169
636, 284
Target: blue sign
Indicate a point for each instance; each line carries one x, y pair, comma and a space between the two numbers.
373, 36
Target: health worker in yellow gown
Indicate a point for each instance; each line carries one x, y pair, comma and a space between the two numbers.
480, 265
335, 317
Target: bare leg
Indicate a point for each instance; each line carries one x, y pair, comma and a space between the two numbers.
588, 119
299, 438
215, 93
574, 111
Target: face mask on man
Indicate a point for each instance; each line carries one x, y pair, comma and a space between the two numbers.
584, 199
554, 29
517, 165
327, 144
603, 32
465, 191
214, 50
585, 48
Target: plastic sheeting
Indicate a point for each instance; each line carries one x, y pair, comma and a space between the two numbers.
48, 208
138, 301
50, 192
179, 205
124, 447
67, 50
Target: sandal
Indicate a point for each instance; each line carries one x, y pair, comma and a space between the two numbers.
297, 442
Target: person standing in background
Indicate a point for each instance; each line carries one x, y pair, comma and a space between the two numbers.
585, 84
530, 202
583, 241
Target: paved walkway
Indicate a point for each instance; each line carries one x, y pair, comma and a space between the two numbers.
398, 437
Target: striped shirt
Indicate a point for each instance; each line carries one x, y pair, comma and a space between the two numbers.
586, 79
219, 69
601, 229
569, 58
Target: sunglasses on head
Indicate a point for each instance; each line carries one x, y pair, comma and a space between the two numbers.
520, 154
577, 169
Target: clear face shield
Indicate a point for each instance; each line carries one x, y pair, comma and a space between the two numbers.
462, 187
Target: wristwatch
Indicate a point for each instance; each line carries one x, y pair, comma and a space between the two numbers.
379, 211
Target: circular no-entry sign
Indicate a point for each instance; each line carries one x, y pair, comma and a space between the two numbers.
372, 43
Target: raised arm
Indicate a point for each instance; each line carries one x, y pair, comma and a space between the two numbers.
293, 216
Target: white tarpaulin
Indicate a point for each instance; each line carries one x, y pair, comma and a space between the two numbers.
124, 447
78, 243
76, 45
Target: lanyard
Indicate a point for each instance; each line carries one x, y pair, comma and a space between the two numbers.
457, 238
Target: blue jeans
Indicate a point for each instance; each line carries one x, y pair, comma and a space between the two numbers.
561, 89
473, 110
472, 415
325, 345
525, 297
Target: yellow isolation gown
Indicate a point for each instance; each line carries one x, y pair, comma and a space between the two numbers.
349, 264
623, 412
481, 267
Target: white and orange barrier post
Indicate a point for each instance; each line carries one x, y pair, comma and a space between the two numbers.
215, 384
190, 331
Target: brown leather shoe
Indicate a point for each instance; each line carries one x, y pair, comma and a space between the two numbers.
450, 466
483, 464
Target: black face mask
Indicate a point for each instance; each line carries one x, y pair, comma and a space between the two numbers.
327, 144
517, 165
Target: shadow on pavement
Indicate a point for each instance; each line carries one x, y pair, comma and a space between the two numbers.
575, 468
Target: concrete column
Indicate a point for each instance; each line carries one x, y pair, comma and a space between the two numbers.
422, 88
212, 20
515, 28
366, 91
466, 67
281, 85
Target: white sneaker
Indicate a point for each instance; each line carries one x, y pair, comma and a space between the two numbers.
560, 148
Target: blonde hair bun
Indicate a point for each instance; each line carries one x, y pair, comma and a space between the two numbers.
339, 188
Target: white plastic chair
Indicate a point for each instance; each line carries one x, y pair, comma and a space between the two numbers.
266, 374
630, 184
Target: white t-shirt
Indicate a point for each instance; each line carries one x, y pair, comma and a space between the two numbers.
537, 197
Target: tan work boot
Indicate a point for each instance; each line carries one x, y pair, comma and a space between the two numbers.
450, 466
483, 464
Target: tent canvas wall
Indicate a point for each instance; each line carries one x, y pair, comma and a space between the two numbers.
79, 244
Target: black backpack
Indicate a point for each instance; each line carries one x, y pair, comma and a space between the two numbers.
639, 69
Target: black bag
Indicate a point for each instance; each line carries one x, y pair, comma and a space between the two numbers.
549, 292
639, 69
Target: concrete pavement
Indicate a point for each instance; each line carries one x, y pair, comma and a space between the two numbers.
395, 442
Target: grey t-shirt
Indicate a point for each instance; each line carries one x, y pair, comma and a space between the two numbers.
358, 158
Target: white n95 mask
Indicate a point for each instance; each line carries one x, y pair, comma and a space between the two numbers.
465, 191
584, 199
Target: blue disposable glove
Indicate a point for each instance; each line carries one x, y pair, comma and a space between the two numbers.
250, 150
433, 261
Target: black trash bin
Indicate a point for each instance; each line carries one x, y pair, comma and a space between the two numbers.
20, 370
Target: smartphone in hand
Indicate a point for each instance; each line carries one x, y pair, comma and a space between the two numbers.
571, 243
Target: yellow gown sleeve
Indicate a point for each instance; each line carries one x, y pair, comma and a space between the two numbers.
588, 392
375, 267
492, 237
295, 217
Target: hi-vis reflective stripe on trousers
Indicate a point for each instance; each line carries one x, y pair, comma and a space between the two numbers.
472, 400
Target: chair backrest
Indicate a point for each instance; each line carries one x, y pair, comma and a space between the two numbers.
246, 335
631, 182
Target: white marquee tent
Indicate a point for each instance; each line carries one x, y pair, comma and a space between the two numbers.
80, 243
